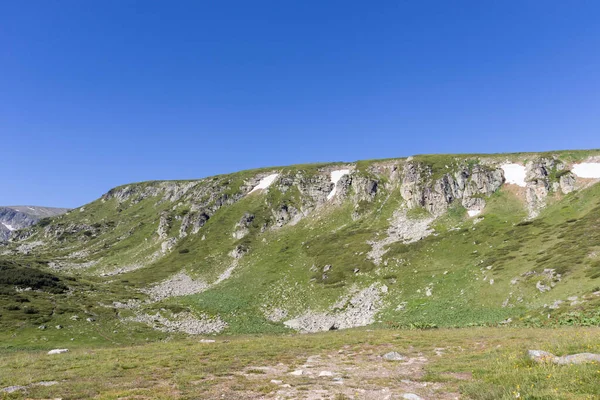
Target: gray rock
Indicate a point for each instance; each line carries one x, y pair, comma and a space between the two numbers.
466, 183
541, 356
393, 356
241, 229
411, 396
164, 224
567, 183
12, 389
581, 358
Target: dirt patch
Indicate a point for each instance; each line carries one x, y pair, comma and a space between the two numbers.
363, 374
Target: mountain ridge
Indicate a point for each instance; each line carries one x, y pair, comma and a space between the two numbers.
330, 246
18, 217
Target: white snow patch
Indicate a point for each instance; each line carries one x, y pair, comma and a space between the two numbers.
514, 174
265, 182
8, 226
587, 170
473, 213
335, 177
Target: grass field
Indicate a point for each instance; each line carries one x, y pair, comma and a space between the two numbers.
472, 363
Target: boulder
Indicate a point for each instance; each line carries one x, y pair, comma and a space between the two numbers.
541, 357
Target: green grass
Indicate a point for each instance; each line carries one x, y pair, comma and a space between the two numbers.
478, 363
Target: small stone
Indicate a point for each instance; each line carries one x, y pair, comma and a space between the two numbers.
75, 318
90, 319
12, 389
276, 382
326, 268
207, 341
58, 351
297, 372
411, 396
325, 373
393, 356
42, 327
59, 326
286, 385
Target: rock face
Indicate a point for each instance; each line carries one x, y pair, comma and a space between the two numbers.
543, 176
467, 183
19, 217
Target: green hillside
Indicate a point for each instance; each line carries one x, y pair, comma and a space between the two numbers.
394, 246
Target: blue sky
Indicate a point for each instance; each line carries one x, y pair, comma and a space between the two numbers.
94, 94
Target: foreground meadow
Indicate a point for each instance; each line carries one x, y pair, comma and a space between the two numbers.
470, 363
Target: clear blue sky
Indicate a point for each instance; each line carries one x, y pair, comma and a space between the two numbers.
94, 94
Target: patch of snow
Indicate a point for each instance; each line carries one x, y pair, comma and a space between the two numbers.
514, 174
473, 213
8, 226
335, 177
587, 170
265, 182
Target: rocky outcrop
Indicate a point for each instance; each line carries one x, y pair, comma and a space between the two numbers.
241, 229
541, 179
286, 214
469, 184
567, 182
164, 224
538, 184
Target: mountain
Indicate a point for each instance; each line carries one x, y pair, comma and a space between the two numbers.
13, 218
428, 240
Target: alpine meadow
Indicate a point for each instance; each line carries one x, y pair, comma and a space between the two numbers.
434, 276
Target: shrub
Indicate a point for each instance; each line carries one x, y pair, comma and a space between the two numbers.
12, 275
